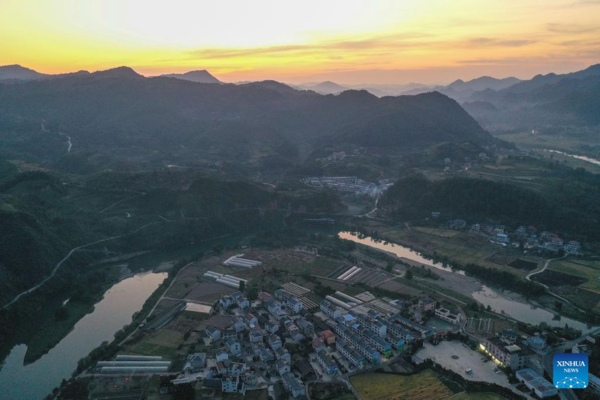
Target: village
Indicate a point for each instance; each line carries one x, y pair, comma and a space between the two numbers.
236, 325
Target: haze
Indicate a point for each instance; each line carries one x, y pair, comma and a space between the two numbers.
350, 42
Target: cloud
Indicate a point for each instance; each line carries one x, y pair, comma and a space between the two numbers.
571, 28
486, 42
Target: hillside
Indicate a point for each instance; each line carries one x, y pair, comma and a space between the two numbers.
546, 101
122, 113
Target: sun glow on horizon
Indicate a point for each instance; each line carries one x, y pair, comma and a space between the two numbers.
347, 41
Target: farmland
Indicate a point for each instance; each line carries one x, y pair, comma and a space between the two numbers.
462, 248
589, 270
423, 386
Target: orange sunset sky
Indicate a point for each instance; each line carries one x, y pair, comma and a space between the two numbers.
351, 42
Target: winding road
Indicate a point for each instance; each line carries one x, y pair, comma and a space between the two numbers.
57, 267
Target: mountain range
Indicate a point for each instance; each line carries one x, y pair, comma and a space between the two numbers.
120, 109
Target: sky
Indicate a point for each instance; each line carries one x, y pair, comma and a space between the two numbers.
349, 41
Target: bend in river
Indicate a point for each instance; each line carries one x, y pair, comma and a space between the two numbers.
115, 310
499, 302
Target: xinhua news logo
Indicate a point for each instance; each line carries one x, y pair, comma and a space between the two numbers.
570, 371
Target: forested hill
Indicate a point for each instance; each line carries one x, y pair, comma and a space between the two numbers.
571, 205
121, 108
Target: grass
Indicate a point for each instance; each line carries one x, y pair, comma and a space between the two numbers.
589, 271
476, 396
150, 349
424, 386
167, 338
463, 248
447, 233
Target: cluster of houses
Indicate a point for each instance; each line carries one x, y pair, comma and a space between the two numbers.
519, 355
350, 184
253, 344
527, 236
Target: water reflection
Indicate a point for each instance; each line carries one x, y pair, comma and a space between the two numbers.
498, 301
36, 380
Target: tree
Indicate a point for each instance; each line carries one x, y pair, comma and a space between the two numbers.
409, 274
242, 286
61, 314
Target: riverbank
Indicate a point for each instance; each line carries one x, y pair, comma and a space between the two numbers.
505, 304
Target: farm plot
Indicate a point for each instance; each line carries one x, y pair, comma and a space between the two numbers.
423, 386
523, 264
446, 233
590, 271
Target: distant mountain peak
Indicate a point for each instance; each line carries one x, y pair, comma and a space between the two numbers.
16, 71
119, 72
199, 76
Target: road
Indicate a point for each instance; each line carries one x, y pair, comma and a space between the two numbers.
528, 277
57, 267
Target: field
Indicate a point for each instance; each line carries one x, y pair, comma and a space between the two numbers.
163, 343
588, 270
423, 386
476, 396
463, 248
447, 233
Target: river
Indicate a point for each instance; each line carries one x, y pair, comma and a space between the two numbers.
115, 310
496, 299
582, 158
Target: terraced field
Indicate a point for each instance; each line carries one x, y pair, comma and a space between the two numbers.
447, 233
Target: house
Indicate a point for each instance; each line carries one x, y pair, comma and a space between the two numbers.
282, 295
283, 354
265, 297
221, 368
326, 363
457, 224
521, 231
212, 332
250, 378
222, 355
238, 324
304, 368
445, 315
329, 309
502, 238
251, 320
435, 214
229, 333
350, 353
232, 384
424, 331
225, 301
274, 307
256, 336
499, 229
294, 305
475, 228
195, 362
508, 336
233, 346
572, 247
536, 382
328, 337
318, 344
307, 249
271, 327
293, 331
306, 327
426, 304
282, 366
266, 355
274, 342
398, 331
236, 369
292, 385
511, 355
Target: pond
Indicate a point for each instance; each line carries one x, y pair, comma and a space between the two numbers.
115, 310
498, 301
